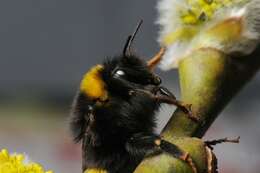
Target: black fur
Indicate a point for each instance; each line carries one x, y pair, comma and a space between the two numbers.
106, 136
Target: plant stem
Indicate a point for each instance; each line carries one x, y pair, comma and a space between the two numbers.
209, 80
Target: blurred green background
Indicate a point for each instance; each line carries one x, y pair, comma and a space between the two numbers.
45, 48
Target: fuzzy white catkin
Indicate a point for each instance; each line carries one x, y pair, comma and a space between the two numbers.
169, 19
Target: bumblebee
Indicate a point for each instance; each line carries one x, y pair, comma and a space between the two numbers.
113, 114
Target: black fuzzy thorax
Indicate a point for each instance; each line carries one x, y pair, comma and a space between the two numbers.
116, 120
113, 126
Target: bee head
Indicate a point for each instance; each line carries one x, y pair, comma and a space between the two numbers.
128, 72
120, 73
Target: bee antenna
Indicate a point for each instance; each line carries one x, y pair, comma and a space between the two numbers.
126, 47
130, 39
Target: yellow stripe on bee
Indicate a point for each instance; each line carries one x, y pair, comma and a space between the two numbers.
93, 85
95, 170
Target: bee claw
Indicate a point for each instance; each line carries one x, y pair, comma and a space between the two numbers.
186, 158
163, 95
193, 117
190, 162
187, 108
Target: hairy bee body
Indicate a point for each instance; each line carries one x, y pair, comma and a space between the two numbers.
113, 114
105, 115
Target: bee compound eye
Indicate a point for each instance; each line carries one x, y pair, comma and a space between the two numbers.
119, 73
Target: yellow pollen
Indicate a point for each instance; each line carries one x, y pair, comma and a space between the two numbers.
194, 17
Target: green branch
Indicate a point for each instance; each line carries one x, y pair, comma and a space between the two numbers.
209, 80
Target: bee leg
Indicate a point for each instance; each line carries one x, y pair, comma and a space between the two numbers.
163, 95
186, 108
210, 144
164, 91
156, 59
141, 144
166, 96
